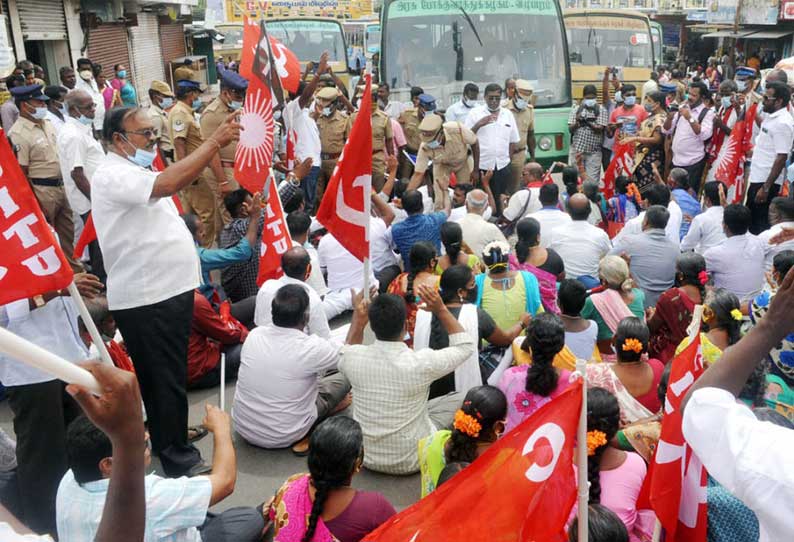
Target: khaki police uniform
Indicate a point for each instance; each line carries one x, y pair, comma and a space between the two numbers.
525, 120
159, 120
334, 131
211, 118
409, 120
451, 157
198, 197
35, 146
381, 132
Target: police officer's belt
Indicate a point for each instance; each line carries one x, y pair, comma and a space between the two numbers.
47, 182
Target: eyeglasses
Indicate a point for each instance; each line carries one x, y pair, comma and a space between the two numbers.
147, 133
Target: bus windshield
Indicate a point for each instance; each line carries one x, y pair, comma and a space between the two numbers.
373, 38
309, 38
435, 43
609, 41
232, 36
656, 36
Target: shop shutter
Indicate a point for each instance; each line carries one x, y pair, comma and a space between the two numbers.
42, 19
108, 45
146, 55
172, 44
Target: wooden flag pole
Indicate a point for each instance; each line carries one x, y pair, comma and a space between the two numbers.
223, 382
367, 204
581, 457
89, 324
35, 356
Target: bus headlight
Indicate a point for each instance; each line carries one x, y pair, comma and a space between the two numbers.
544, 143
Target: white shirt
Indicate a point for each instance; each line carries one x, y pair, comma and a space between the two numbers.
770, 251
380, 243
307, 144
53, 327
278, 383
7, 534
649, 86
316, 280
494, 138
748, 457
263, 316
550, 220
477, 232
519, 199
55, 121
775, 137
499, 69
705, 231
395, 109
149, 254
581, 246
390, 385
78, 148
457, 214
457, 112
673, 230
737, 264
90, 87
344, 271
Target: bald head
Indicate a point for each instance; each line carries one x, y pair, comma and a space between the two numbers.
79, 103
532, 172
295, 263
476, 200
777, 76
579, 207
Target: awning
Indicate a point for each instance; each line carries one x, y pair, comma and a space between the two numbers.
769, 34
728, 34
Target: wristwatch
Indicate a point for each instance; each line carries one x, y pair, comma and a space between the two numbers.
692, 120
39, 301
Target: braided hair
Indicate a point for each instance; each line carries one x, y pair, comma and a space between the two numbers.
690, 269
455, 278
336, 445
420, 257
487, 405
452, 239
545, 339
603, 414
722, 304
528, 232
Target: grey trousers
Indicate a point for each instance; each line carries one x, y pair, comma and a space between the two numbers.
442, 409
241, 524
333, 388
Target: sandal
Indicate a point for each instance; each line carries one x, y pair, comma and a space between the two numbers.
301, 448
198, 432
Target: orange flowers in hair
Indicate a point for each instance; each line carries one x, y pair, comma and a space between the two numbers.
467, 424
632, 345
595, 439
633, 192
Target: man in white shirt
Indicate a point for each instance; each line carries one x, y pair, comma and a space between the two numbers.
651, 85
299, 223
85, 81
476, 231
580, 244
550, 217
153, 267
296, 265
56, 108
79, 154
781, 215
393, 109
344, 271
658, 194
458, 197
527, 201
390, 383
283, 387
737, 264
497, 135
458, 111
706, 230
770, 152
749, 458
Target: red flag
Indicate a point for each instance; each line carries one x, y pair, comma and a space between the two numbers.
287, 65
524, 484
729, 166
275, 238
254, 154
292, 140
31, 260
622, 163
344, 210
678, 484
250, 39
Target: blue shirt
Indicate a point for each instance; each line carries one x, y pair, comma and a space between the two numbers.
653, 258
689, 206
218, 258
418, 227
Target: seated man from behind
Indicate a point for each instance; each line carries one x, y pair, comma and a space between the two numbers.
391, 382
284, 386
239, 279
176, 508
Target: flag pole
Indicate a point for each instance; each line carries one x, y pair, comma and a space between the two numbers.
581, 457
89, 324
657, 531
367, 204
223, 382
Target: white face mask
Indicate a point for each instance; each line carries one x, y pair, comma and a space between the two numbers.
86, 75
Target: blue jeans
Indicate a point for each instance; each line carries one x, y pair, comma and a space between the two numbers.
589, 281
309, 186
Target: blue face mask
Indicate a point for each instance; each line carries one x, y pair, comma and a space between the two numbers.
630, 100
432, 145
590, 103
327, 111
235, 106
166, 102
277, 114
121, 74
521, 104
142, 157
196, 105
741, 85
85, 121
726, 102
39, 113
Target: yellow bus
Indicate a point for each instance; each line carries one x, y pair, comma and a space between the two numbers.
600, 38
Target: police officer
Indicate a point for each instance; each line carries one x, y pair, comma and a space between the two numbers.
334, 127
447, 145
203, 196
34, 142
162, 98
381, 141
409, 120
524, 112
231, 99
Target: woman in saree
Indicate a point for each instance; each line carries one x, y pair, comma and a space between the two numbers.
618, 300
423, 260
322, 506
649, 141
544, 263
457, 252
722, 320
